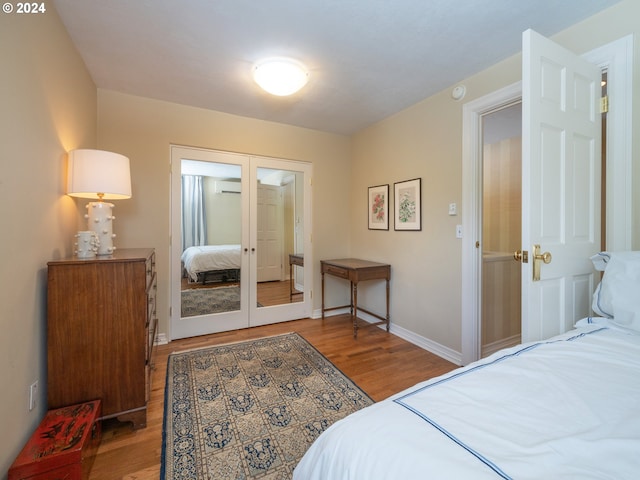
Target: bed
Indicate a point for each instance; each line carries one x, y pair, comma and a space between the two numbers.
566, 407
207, 262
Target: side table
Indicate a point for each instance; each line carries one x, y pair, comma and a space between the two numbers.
356, 270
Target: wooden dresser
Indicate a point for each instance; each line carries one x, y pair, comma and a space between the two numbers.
101, 328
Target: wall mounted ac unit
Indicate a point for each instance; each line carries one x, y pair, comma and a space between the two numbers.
227, 187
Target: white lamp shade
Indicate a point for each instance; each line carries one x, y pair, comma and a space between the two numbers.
93, 172
280, 76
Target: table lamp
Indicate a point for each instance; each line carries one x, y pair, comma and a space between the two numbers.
100, 175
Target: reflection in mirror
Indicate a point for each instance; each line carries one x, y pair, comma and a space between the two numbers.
279, 237
211, 236
212, 232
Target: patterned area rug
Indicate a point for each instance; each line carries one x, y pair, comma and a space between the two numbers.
251, 409
202, 301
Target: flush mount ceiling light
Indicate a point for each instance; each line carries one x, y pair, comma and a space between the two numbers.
280, 76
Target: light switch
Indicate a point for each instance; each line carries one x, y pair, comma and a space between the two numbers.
458, 231
453, 209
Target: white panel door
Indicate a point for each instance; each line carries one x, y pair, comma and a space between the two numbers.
270, 233
561, 185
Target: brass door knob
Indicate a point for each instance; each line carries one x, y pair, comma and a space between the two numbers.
538, 258
521, 256
545, 257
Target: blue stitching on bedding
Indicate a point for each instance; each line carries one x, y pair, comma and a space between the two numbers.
450, 435
479, 456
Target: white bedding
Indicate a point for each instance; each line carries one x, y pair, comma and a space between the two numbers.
568, 407
210, 257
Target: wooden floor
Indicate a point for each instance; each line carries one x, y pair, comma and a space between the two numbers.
378, 362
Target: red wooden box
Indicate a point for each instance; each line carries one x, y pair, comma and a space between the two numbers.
63, 446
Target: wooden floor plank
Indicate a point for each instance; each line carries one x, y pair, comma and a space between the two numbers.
380, 363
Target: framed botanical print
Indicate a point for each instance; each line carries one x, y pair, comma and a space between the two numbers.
408, 205
379, 207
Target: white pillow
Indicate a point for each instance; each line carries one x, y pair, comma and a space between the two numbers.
618, 295
600, 260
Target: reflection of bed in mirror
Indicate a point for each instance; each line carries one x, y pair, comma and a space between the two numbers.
211, 263
212, 225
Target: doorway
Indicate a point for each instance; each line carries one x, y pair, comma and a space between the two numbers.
616, 60
235, 220
501, 227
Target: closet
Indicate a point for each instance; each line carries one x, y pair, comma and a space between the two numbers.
255, 210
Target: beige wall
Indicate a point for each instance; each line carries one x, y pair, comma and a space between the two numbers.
425, 141
143, 129
48, 106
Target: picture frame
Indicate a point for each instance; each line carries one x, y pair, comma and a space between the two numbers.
408, 205
378, 207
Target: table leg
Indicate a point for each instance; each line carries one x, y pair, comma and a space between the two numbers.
388, 319
354, 307
290, 282
350, 298
322, 276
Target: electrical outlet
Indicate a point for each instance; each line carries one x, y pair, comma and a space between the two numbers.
33, 395
453, 209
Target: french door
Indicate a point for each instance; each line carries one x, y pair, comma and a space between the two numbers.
253, 212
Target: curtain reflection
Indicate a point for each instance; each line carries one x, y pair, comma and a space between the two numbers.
194, 223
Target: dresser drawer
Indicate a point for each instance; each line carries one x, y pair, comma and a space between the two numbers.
150, 268
152, 318
152, 290
151, 338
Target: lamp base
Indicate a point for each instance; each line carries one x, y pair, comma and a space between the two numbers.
100, 220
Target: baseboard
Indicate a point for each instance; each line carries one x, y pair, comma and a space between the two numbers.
500, 344
408, 335
422, 342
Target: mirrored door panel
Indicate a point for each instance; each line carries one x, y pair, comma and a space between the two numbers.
279, 237
282, 264
209, 264
211, 237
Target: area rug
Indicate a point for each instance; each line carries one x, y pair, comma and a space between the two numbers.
203, 301
250, 409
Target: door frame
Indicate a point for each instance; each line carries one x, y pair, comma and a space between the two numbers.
472, 113
617, 58
249, 314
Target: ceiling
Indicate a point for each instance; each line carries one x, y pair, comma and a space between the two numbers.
368, 59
